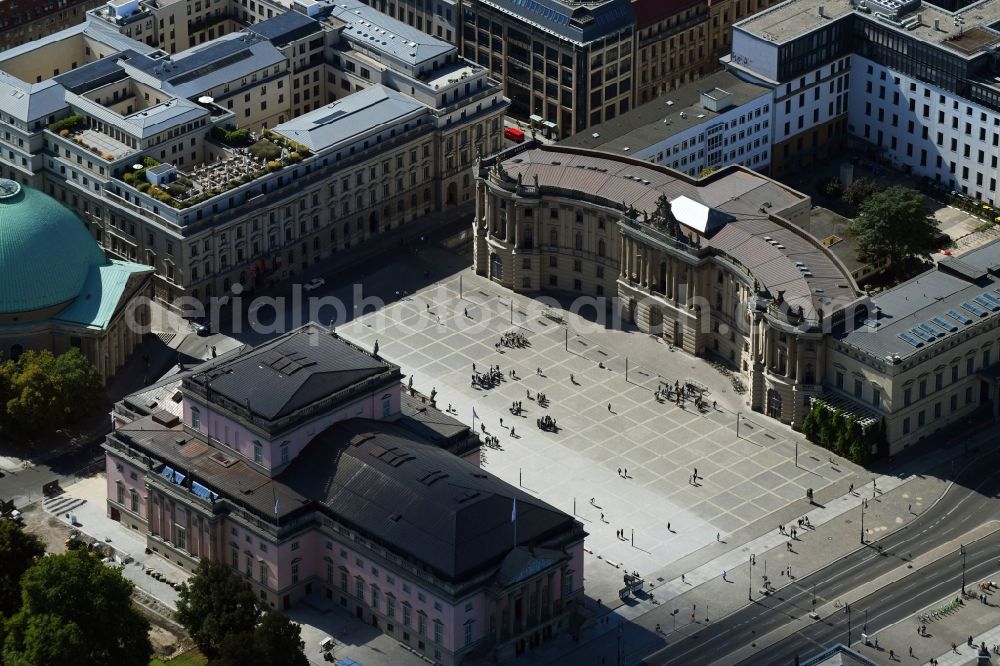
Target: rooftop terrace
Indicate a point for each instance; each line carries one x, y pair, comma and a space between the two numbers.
793, 18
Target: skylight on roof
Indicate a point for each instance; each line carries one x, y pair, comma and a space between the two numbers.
979, 312
906, 337
987, 303
959, 317
951, 328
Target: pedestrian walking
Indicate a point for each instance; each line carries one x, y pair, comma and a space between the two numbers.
682, 578
911, 650
724, 573
501, 421
718, 537
668, 527
909, 508
625, 475
851, 489
512, 432
609, 406
619, 471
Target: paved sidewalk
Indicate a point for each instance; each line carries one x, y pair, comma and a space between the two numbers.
89, 507
980, 621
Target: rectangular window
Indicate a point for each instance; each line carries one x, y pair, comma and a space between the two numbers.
468, 634
390, 605
359, 588
284, 453
258, 452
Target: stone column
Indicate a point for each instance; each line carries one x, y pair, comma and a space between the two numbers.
821, 362
799, 362
792, 371
768, 348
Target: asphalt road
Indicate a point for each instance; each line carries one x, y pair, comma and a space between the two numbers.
25, 486
887, 606
964, 506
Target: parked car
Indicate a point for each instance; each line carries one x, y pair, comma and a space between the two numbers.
315, 283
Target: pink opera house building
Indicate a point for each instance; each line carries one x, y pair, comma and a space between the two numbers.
304, 465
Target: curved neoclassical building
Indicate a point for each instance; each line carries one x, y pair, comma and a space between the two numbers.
58, 289
716, 265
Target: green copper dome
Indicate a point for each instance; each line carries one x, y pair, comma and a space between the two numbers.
45, 251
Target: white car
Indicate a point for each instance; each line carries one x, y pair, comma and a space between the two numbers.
315, 283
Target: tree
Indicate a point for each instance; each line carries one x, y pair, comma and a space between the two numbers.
213, 604
78, 384
859, 191
811, 424
706, 172
76, 610
896, 225
832, 188
40, 391
18, 551
275, 640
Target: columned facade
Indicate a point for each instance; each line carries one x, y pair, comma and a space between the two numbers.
672, 275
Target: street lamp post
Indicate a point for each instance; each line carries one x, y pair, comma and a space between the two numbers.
738, 424
750, 581
862, 522
962, 551
847, 609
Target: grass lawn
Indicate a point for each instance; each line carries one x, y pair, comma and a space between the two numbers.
190, 658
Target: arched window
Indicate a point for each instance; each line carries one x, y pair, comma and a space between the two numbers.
554, 237
600, 248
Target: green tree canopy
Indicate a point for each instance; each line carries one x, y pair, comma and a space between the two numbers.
76, 610
894, 224
41, 391
859, 191
275, 640
18, 552
213, 604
